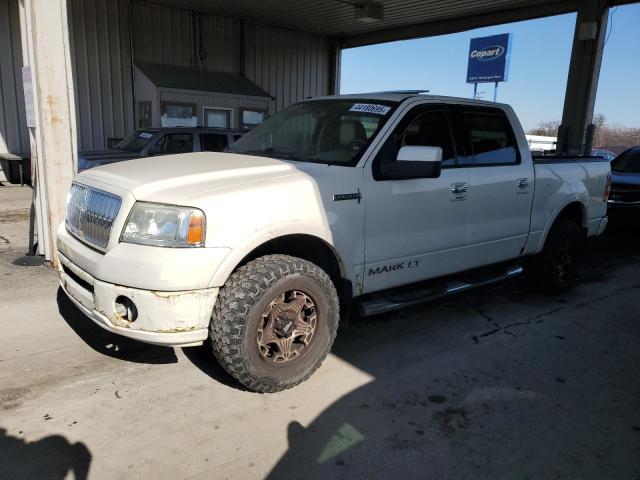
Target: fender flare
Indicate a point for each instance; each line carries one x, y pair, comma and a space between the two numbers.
240, 251
576, 198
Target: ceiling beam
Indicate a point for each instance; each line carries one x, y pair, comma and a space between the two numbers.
459, 24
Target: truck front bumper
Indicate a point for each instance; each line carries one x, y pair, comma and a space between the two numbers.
164, 318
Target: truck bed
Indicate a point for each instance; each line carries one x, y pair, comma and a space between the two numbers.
544, 159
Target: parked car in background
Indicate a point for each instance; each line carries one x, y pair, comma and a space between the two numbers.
599, 152
161, 141
625, 180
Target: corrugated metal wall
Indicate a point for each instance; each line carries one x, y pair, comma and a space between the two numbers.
14, 136
162, 34
221, 43
102, 75
290, 65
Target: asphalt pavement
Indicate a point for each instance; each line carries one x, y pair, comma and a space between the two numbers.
499, 383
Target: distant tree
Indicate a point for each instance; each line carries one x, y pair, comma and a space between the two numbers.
547, 129
599, 120
605, 134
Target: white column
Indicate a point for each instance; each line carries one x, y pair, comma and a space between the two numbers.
54, 144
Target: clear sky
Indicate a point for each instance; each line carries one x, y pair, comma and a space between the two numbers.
537, 75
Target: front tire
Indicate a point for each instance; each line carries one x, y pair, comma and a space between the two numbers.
274, 322
554, 270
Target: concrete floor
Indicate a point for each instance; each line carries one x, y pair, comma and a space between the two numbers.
496, 384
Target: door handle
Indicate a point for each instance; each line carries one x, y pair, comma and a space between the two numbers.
522, 185
459, 192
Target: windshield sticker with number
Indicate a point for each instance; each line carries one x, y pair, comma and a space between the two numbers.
370, 108
145, 135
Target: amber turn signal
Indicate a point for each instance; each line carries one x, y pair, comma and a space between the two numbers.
195, 234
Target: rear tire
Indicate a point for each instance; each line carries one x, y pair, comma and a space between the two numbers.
274, 322
554, 270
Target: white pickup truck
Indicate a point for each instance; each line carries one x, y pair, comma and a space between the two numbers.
333, 202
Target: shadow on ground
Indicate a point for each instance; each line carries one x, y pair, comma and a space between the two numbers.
203, 358
51, 458
544, 395
107, 343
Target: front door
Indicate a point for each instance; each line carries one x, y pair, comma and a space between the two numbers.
417, 228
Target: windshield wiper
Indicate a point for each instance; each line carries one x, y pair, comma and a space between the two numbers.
272, 152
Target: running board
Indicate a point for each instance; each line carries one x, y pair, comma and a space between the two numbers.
381, 303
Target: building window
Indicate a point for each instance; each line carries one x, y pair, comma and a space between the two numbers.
251, 118
178, 114
217, 117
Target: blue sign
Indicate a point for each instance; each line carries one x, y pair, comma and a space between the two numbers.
489, 59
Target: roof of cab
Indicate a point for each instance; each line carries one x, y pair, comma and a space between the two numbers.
404, 95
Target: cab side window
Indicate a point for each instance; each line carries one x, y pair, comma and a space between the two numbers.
492, 139
431, 129
427, 128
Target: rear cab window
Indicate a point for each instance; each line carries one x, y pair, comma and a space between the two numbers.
491, 137
627, 162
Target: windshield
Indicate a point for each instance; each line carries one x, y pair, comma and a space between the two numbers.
136, 141
627, 162
322, 131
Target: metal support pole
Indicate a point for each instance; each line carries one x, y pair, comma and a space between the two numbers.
588, 141
495, 92
475, 91
584, 70
335, 67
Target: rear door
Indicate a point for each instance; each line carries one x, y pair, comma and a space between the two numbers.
500, 187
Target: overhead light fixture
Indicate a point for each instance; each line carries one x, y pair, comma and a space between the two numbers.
368, 12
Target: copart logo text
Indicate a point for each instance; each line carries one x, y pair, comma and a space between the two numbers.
488, 53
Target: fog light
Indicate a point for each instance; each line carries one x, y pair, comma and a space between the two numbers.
125, 309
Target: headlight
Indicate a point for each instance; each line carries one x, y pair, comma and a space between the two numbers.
164, 226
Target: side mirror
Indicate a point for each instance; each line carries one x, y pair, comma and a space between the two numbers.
420, 154
414, 162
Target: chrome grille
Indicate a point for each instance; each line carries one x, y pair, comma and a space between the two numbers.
91, 213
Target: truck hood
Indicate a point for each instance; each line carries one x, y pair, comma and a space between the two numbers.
178, 178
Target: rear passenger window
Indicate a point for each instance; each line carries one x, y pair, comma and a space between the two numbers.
213, 142
492, 140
